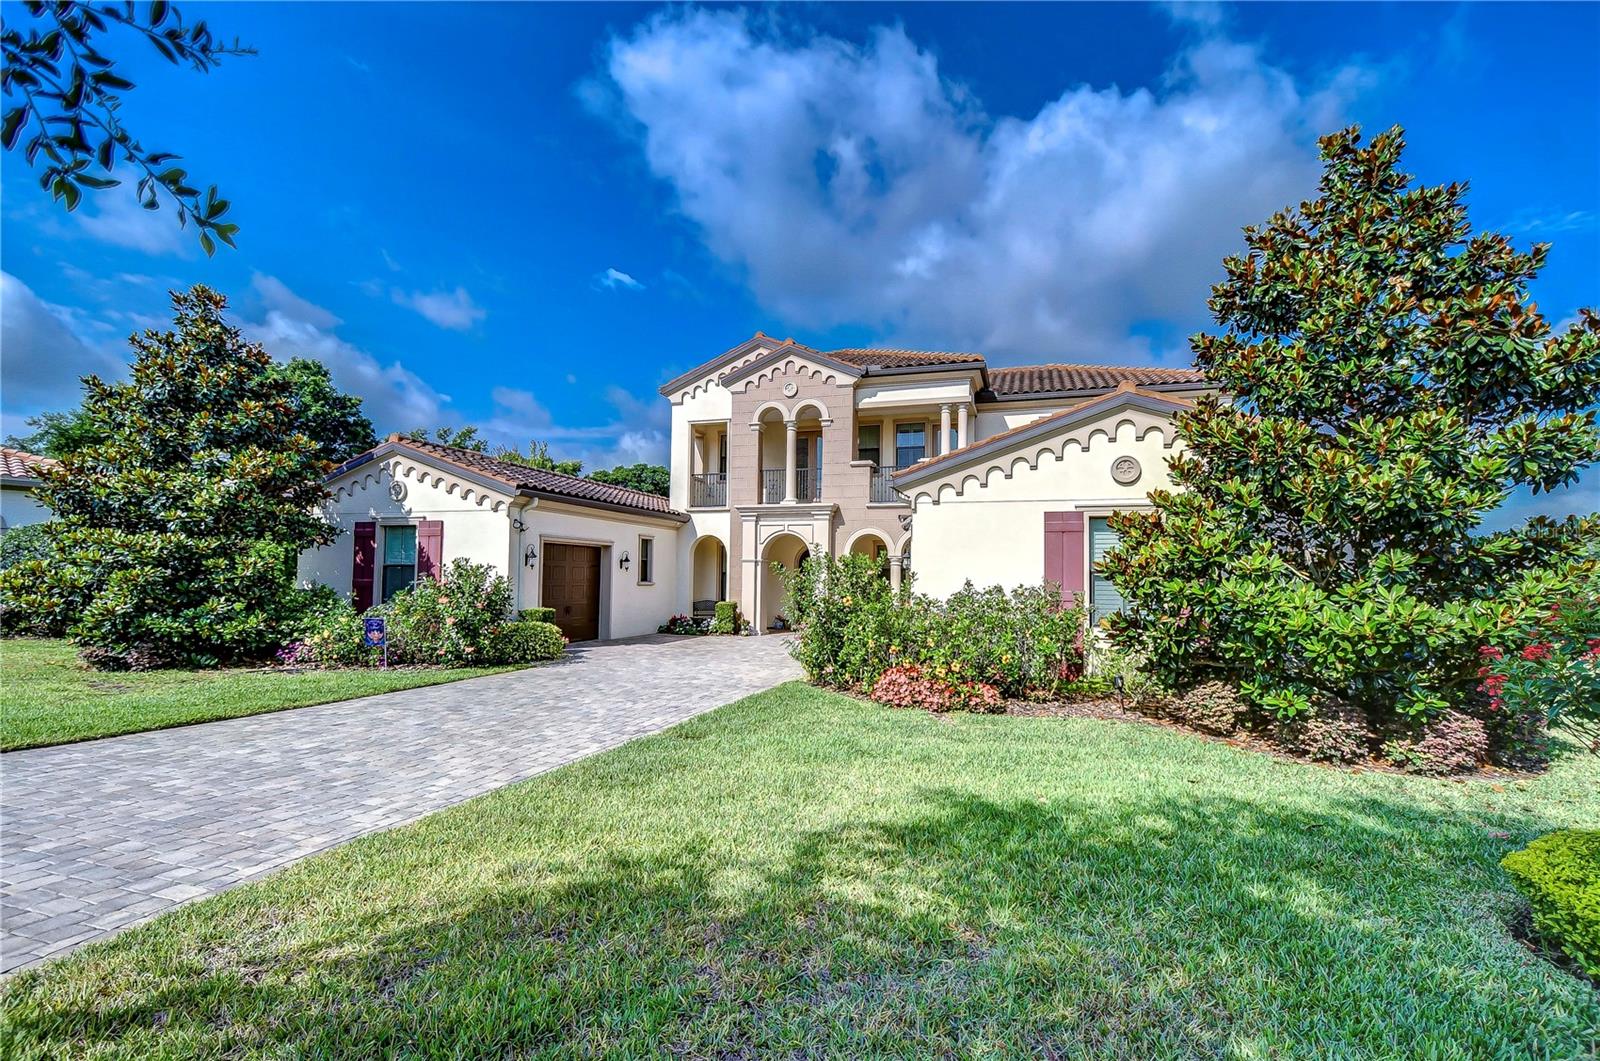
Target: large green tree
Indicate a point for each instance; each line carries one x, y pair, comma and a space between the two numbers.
651, 478
174, 540
332, 419
64, 103
1390, 382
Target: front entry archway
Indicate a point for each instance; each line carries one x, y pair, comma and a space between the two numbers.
787, 551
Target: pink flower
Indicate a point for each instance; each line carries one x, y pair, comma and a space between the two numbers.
1536, 651
1489, 652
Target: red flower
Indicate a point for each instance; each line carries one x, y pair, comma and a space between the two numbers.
1536, 651
1489, 652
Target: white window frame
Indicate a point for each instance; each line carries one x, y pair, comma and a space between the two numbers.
647, 560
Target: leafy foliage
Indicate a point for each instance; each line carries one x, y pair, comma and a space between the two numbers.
58, 434
685, 625
21, 544
1552, 674
852, 627
1393, 383
725, 618
1560, 874
332, 419
459, 437
449, 622
68, 95
526, 642
175, 539
538, 615
908, 685
650, 478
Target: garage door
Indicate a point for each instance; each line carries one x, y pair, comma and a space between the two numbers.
572, 588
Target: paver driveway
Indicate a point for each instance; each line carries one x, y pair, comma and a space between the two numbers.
97, 836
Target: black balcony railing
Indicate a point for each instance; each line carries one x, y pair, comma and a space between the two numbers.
709, 490
883, 486
807, 485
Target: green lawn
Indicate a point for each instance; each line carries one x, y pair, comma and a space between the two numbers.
804, 873
50, 698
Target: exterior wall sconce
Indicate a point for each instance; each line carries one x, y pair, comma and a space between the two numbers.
518, 526
624, 560
530, 556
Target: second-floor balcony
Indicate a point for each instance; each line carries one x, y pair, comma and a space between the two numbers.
883, 492
807, 485
709, 490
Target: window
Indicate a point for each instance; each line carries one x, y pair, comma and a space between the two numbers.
399, 559
722, 453
1103, 596
910, 444
647, 561
868, 443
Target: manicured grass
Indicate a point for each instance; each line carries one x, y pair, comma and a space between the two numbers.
51, 698
801, 873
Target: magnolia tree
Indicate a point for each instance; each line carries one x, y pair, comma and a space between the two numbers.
175, 535
1390, 384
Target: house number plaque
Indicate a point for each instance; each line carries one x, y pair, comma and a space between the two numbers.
1126, 470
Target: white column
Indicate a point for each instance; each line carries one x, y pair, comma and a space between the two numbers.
944, 430
894, 571
790, 428
961, 424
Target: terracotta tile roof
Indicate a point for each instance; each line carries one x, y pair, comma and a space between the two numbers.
1121, 390
521, 477
20, 464
871, 357
1031, 380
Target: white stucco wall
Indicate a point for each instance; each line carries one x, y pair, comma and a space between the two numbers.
989, 528
19, 509
627, 607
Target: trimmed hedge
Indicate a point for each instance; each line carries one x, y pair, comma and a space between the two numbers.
725, 619
1560, 874
526, 642
538, 615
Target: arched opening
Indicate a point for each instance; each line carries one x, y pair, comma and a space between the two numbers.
873, 546
709, 563
787, 551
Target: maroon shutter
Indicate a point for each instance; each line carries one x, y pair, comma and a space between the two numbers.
1064, 553
430, 549
366, 542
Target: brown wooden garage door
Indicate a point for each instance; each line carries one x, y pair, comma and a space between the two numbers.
572, 588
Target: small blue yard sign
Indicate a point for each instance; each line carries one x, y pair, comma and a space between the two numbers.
374, 633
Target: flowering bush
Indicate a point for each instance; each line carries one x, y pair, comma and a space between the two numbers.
447, 622
1554, 677
853, 628
684, 624
908, 685
1449, 744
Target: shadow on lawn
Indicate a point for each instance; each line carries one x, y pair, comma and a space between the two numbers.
971, 926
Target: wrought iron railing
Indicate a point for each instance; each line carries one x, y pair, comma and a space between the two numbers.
808, 484
709, 490
771, 486
883, 486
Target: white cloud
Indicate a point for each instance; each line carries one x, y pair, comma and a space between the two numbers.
277, 296
454, 310
855, 185
639, 432
614, 278
115, 216
44, 356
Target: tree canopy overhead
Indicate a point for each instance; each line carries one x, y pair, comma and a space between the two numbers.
1391, 382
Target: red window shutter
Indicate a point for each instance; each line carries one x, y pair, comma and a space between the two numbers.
1065, 553
366, 545
430, 549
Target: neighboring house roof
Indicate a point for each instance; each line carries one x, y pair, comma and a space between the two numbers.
1045, 381
19, 467
1125, 394
519, 478
872, 357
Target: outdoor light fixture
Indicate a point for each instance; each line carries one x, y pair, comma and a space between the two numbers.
518, 526
529, 556
624, 560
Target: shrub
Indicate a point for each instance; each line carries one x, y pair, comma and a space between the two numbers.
1105, 662
1550, 676
1449, 744
1560, 875
330, 637
1214, 707
526, 641
538, 615
853, 628
1332, 731
907, 685
23, 543
447, 622
726, 619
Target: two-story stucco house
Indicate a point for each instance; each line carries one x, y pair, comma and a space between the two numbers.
928, 461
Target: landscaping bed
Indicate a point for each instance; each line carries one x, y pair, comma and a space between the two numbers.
804, 873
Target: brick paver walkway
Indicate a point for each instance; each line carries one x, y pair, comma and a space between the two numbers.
97, 836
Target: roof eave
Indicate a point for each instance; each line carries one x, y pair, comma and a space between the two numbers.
670, 515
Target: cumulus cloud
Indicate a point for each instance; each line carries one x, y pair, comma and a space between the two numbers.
638, 432
854, 184
44, 356
277, 296
613, 278
115, 217
454, 310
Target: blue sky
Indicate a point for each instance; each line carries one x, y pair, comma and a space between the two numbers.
526, 217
